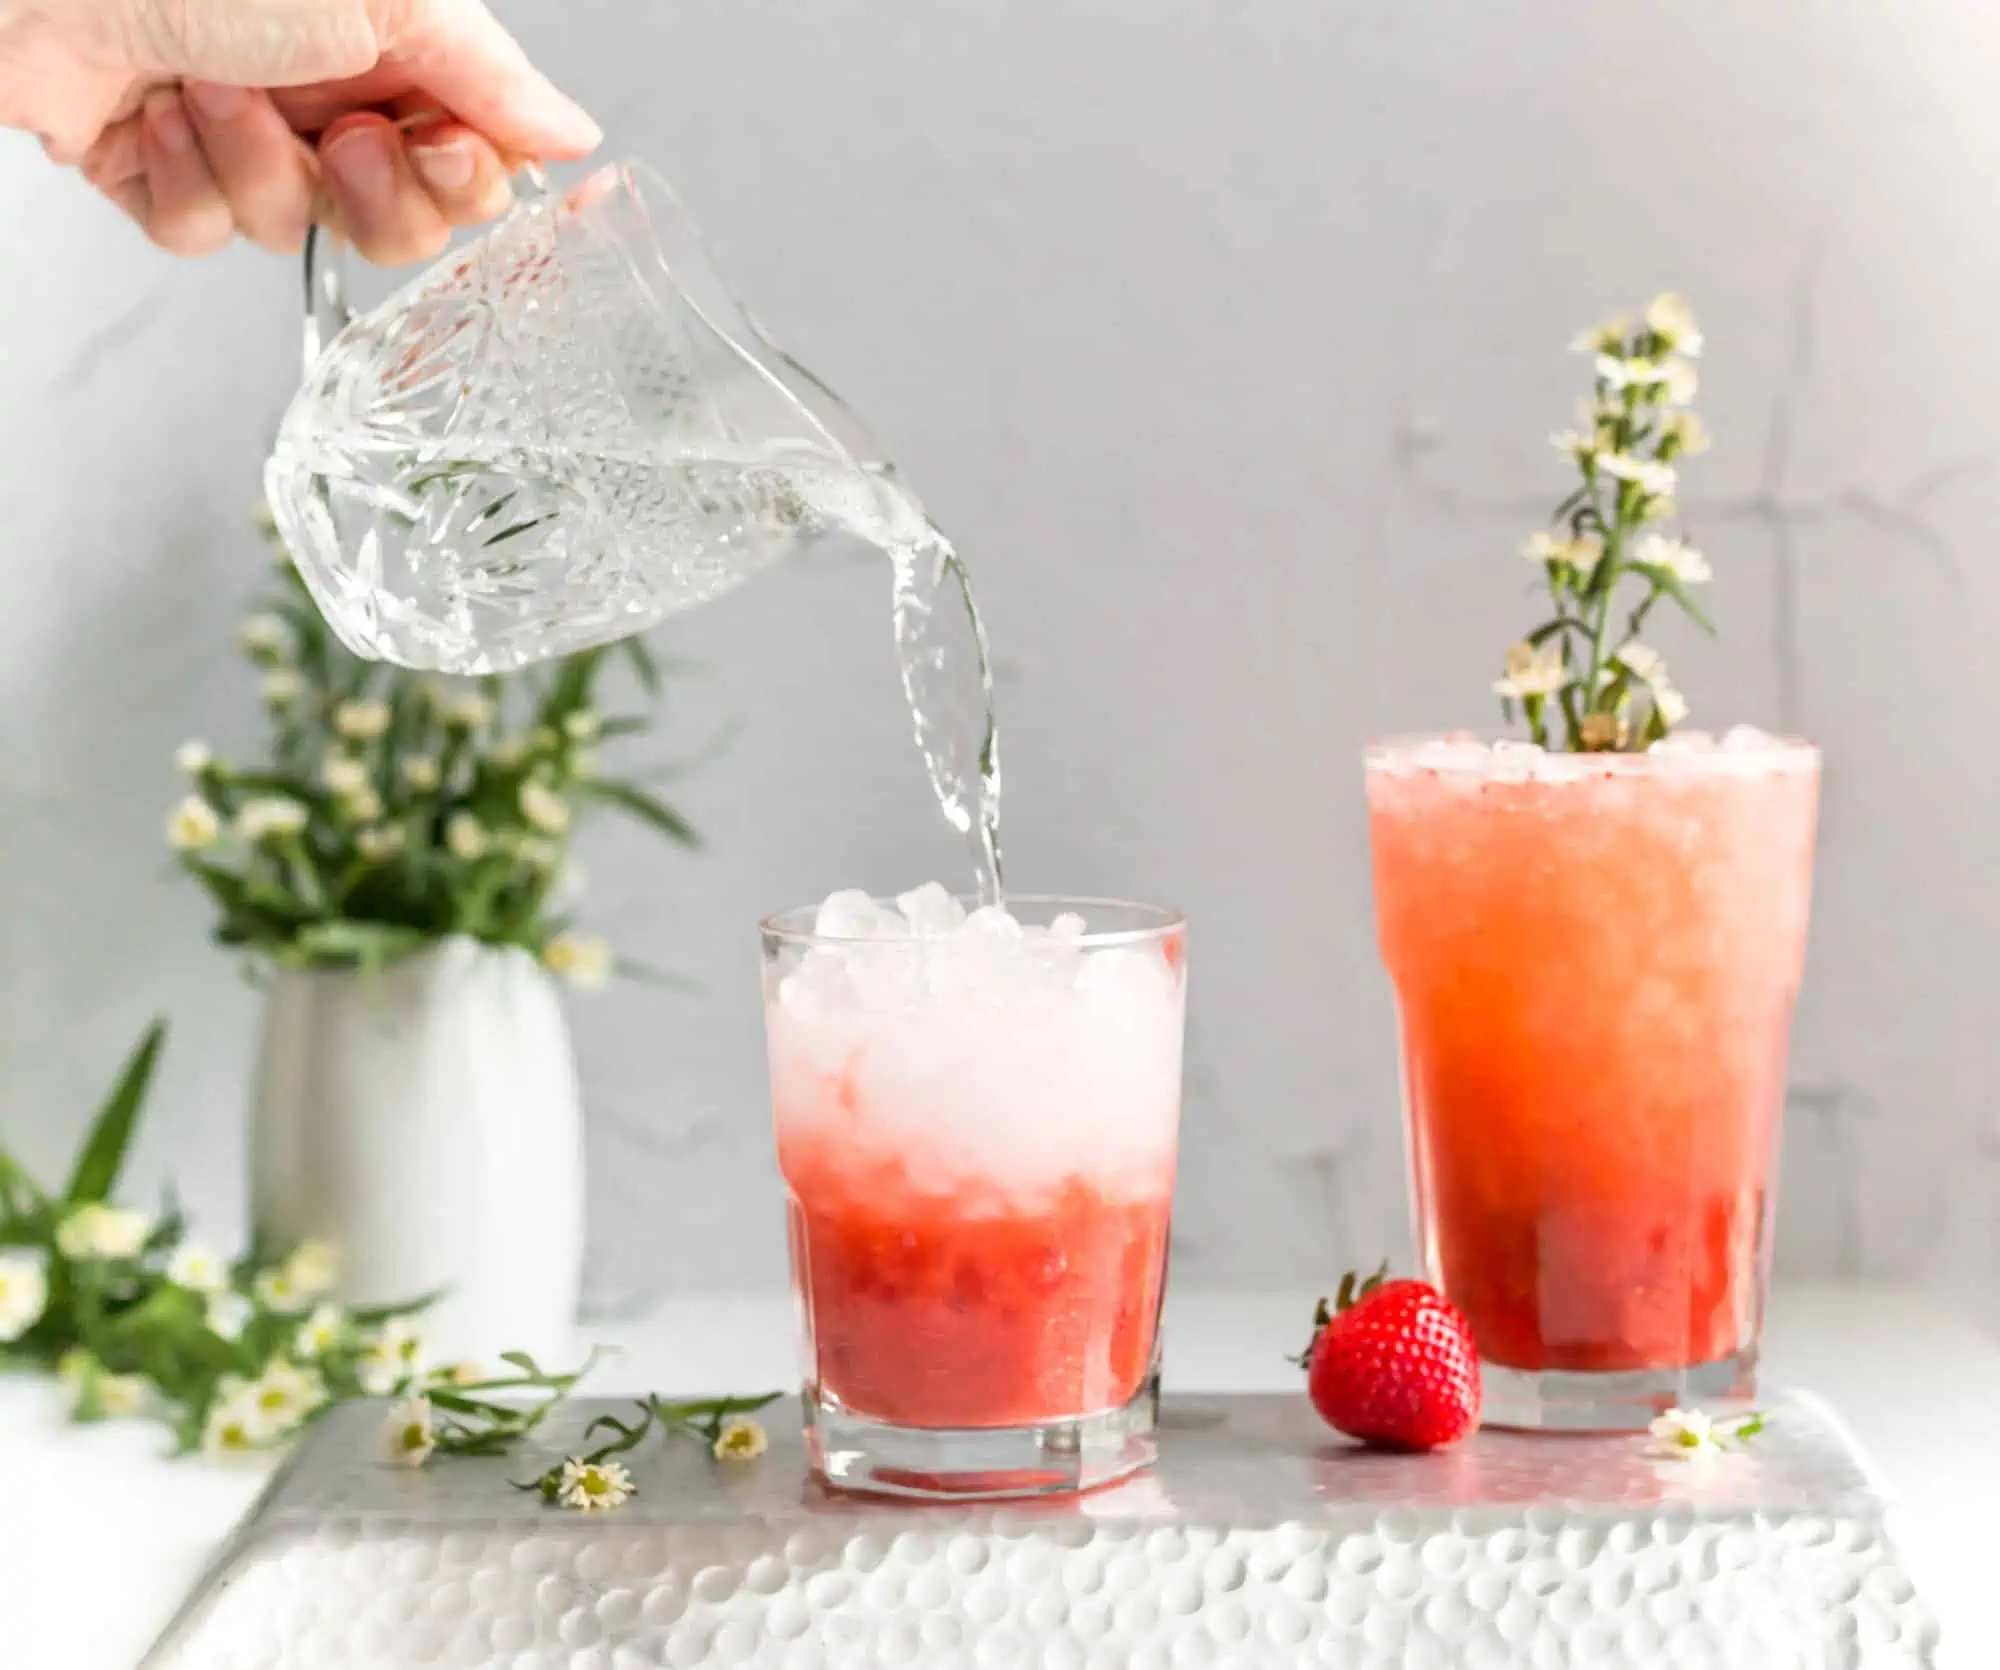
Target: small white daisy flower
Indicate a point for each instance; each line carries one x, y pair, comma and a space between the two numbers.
343, 774
420, 771
1616, 373
319, 1333
1682, 380
379, 842
270, 818
534, 852
407, 1434
285, 1394
466, 836
544, 808
193, 757
394, 1357
193, 825
24, 1293
281, 687
122, 1395
1583, 553
278, 1293
591, 1486
197, 1269
364, 807
361, 721
1670, 317
1669, 704
467, 711
1688, 433
740, 1439
583, 726
314, 1266
1581, 446
264, 635
228, 1315
1643, 662
101, 1231
1651, 477
1685, 1435
582, 959
505, 756
233, 1430
1676, 556
1532, 672
1604, 338
462, 1373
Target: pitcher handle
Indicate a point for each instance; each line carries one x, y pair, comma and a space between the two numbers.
327, 312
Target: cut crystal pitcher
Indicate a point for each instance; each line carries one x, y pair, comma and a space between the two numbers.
556, 436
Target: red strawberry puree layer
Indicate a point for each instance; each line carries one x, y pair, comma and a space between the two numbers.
964, 1310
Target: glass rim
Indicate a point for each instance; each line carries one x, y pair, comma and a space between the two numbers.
1402, 751
794, 926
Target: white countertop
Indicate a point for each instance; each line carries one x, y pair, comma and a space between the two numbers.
99, 1536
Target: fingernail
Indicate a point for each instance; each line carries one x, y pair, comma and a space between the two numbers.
219, 103
168, 121
567, 122
446, 167
359, 159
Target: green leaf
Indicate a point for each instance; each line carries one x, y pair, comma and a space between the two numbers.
644, 668
1670, 583
645, 974
629, 797
373, 1316
103, 1155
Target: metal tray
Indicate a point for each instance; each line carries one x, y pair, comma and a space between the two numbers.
1260, 1539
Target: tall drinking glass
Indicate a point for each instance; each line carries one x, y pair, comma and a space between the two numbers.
1595, 958
978, 1131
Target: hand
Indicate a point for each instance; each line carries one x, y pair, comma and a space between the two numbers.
393, 119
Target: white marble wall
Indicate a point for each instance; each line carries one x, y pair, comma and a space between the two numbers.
1227, 337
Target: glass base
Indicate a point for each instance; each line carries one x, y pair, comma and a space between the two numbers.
1562, 1400
974, 1464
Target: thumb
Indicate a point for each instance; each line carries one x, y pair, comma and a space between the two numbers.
456, 51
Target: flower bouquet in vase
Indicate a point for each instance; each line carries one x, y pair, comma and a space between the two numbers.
399, 864
1596, 936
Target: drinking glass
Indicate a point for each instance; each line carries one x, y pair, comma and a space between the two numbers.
978, 1137
1595, 959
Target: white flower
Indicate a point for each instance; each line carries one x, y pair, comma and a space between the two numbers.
379, 843
263, 635
76, 1366
421, 772
462, 1373
314, 1266
592, 1485
1686, 1435
343, 774
1687, 431
393, 1357
193, 757
505, 756
1579, 445
269, 818
193, 825
319, 1333
1604, 338
1670, 318
581, 959
1616, 373
361, 721
281, 687
278, 1293
284, 1395
101, 1231
1676, 556
407, 1434
364, 807
467, 712
197, 1269
1682, 380
228, 1315
582, 726
1582, 553
233, 1429
466, 836
544, 808
534, 852
739, 1439
119, 1395
1532, 672
1669, 704
24, 1293
1651, 477
1643, 662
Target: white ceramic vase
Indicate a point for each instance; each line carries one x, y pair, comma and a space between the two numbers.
426, 1119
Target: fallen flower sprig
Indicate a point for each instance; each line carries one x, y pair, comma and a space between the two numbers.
1690, 1435
593, 1480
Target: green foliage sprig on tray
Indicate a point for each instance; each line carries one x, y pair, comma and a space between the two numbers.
395, 809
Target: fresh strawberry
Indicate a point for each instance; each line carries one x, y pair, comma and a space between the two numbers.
1393, 1364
